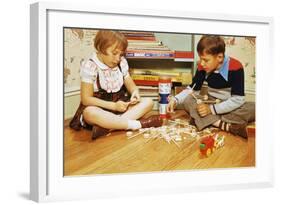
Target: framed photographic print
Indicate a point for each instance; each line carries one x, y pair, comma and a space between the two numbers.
160, 59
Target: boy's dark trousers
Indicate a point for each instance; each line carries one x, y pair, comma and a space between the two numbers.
241, 115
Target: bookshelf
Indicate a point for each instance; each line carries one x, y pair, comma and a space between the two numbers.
151, 55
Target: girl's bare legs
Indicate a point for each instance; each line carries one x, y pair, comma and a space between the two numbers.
95, 115
138, 110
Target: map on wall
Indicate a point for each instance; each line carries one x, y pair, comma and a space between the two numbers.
78, 45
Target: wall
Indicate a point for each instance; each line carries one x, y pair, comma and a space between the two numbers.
78, 47
175, 41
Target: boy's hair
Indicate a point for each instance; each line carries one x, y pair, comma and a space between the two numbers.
107, 38
210, 44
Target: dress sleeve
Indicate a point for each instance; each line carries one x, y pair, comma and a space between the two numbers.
124, 67
88, 71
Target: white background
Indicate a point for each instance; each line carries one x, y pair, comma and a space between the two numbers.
14, 149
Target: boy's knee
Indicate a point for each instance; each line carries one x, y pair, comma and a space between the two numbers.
188, 103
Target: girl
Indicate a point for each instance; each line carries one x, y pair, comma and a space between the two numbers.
104, 82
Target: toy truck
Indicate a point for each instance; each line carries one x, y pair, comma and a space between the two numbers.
210, 143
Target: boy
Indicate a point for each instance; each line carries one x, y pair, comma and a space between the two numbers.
224, 77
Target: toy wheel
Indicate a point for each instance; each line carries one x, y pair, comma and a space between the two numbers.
208, 153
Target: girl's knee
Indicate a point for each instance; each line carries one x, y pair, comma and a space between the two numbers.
148, 103
90, 112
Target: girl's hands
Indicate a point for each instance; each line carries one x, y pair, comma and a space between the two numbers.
121, 106
135, 97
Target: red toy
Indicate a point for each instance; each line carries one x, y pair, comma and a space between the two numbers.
210, 143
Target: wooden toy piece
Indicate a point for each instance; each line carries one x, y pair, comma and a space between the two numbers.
208, 101
192, 94
205, 97
207, 145
133, 102
153, 130
177, 138
146, 135
171, 132
204, 89
178, 122
210, 143
139, 133
218, 101
141, 130
199, 101
219, 140
129, 133
176, 143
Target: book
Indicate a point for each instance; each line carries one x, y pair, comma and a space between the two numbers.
145, 77
159, 72
148, 88
137, 33
155, 102
147, 38
149, 54
178, 89
144, 43
149, 94
148, 47
146, 82
152, 80
184, 56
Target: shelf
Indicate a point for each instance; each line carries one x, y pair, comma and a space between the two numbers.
178, 56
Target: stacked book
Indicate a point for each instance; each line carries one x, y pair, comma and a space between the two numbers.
145, 45
150, 77
151, 92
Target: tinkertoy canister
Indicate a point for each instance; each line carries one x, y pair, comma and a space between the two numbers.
164, 85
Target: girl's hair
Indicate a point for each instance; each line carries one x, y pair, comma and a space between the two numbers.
107, 38
210, 44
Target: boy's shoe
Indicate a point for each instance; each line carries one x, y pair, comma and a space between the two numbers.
152, 121
192, 122
239, 129
98, 131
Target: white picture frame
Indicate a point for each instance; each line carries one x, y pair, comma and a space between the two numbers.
47, 182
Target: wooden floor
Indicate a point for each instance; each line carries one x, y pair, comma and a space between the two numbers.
117, 154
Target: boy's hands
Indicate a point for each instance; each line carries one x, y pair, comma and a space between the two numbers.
172, 104
203, 109
121, 106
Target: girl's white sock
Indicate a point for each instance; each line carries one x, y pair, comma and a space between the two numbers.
133, 125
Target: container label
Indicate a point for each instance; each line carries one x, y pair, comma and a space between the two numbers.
164, 88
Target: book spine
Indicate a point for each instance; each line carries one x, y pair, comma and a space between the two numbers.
146, 82
184, 54
137, 54
147, 38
